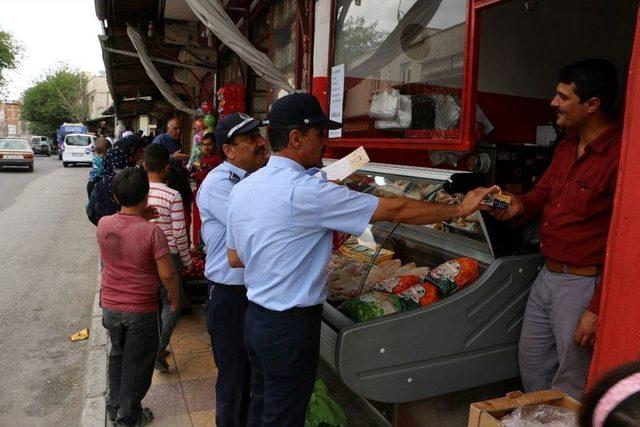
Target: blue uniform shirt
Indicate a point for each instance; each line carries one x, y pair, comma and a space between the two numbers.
171, 144
212, 202
280, 222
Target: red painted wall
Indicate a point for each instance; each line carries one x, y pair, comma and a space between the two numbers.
618, 338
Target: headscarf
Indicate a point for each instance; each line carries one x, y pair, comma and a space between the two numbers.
118, 157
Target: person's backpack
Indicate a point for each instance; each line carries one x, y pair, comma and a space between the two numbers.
101, 202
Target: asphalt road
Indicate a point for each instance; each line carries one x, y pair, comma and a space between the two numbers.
48, 260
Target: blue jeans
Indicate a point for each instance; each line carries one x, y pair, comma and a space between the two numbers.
169, 319
134, 342
283, 351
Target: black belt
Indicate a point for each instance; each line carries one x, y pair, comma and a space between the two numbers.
295, 311
241, 289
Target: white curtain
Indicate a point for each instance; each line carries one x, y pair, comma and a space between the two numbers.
213, 15
154, 74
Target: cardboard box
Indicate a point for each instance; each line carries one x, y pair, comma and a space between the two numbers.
489, 412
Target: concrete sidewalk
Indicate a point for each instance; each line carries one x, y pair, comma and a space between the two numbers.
186, 395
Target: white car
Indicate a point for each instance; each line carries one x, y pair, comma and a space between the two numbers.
78, 148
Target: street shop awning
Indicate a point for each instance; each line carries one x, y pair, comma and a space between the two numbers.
154, 74
212, 14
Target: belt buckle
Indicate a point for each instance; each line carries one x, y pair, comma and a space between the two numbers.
211, 291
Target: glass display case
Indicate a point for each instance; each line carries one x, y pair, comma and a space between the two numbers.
420, 311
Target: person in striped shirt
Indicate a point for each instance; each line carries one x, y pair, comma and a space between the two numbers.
171, 220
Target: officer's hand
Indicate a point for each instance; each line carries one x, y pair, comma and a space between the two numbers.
585, 333
179, 156
174, 306
514, 209
471, 202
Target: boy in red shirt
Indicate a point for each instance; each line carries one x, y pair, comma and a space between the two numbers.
135, 253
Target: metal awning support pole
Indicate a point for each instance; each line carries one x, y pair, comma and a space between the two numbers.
158, 60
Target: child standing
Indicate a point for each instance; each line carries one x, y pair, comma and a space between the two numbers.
135, 253
171, 220
97, 164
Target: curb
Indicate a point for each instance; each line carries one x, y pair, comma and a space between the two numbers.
94, 408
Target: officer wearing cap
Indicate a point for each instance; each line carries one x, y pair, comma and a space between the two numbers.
279, 227
243, 150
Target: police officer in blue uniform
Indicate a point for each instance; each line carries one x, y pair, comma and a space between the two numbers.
243, 150
279, 227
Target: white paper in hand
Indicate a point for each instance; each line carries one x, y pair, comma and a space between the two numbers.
347, 165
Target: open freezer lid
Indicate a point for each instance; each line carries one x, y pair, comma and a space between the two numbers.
468, 237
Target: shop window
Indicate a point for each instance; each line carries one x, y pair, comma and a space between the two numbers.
403, 67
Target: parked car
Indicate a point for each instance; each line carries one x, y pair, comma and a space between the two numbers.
16, 152
40, 145
78, 148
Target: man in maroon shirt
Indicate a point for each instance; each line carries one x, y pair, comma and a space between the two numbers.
135, 253
573, 200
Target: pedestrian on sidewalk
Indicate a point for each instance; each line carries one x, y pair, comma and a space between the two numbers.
170, 208
135, 253
280, 228
239, 143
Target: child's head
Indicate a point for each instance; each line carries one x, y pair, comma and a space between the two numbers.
156, 159
130, 187
102, 146
615, 399
208, 144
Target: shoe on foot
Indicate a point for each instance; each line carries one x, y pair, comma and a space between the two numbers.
146, 416
161, 365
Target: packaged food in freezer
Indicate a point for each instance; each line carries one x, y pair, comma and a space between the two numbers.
371, 305
422, 294
353, 249
454, 274
397, 284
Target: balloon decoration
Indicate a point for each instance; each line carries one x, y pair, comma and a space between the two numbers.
206, 107
231, 99
199, 125
209, 121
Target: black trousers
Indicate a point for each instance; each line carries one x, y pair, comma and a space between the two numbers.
283, 349
134, 344
225, 312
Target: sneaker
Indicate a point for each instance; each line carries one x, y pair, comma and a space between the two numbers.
161, 365
146, 416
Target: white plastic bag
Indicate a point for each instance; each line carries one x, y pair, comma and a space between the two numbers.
402, 119
541, 416
447, 112
384, 106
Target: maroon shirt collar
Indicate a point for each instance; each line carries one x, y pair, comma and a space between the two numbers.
602, 141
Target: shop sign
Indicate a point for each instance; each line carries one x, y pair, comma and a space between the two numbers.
337, 97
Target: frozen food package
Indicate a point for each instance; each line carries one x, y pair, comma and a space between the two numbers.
397, 284
418, 271
370, 306
383, 270
354, 250
541, 416
422, 294
403, 270
454, 274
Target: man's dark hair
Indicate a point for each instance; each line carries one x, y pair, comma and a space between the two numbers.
627, 413
593, 78
130, 186
279, 135
156, 157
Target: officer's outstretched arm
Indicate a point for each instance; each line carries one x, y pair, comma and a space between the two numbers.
234, 260
409, 211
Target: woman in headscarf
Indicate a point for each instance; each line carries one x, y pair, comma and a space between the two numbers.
127, 153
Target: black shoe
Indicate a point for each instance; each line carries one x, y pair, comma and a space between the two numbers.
112, 414
161, 365
146, 416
